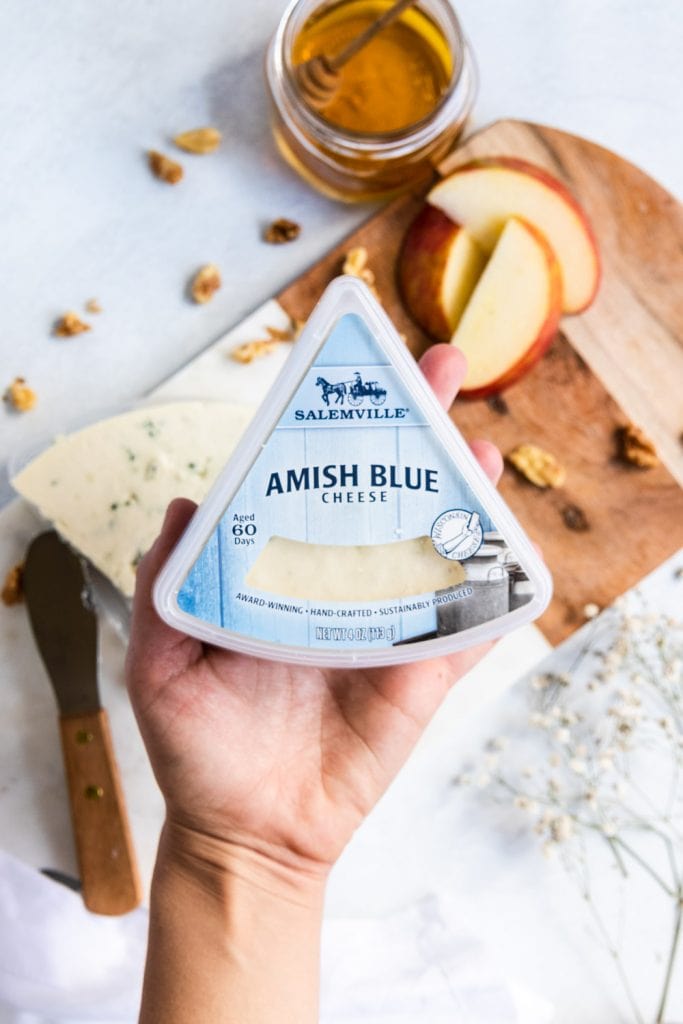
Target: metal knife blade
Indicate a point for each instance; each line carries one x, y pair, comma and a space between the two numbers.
63, 620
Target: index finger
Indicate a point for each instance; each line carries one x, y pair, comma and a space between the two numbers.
444, 367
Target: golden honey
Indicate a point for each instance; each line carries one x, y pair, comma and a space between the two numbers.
396, 80
399, 106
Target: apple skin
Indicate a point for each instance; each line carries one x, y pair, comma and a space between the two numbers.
421, 266
547, 331
514, 163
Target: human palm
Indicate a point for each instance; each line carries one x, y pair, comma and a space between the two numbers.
279, 757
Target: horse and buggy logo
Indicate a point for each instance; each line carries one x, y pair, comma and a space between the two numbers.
355, 391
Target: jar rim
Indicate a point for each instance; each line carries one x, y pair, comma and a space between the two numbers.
281, 49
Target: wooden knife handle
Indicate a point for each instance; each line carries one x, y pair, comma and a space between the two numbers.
109, 875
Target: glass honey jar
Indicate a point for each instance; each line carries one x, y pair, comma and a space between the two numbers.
400, 104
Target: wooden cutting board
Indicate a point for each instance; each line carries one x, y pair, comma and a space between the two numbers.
620, 361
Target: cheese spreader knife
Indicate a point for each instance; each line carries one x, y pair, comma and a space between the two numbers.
64, 623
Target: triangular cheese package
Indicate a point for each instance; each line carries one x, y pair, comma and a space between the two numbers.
352, 525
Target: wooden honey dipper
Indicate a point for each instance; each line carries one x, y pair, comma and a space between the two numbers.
318, 78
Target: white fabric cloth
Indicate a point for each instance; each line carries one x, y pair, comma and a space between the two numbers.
59, 964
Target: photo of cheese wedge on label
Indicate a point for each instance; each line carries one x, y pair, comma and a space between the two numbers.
349, 525
353, 572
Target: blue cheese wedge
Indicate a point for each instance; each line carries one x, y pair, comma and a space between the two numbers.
106, 487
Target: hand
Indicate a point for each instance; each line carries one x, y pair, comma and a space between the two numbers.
279, 760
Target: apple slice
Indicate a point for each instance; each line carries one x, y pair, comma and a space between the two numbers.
485, 193
439, 266
514, 311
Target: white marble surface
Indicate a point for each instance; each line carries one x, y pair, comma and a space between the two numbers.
87, 88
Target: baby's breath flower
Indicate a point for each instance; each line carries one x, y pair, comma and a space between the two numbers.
612, 661
525, 803
629, 697
561, 828
622, 694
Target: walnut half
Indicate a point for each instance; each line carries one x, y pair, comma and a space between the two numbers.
164, 168
205, 283
69, 325
199, 140
636, 448
20, 396
356, 265
252, 350
537, 466
281, 231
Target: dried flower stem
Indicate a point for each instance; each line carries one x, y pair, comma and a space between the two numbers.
678, 921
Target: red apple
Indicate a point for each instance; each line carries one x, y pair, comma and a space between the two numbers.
438, 268
513, 313
484, 194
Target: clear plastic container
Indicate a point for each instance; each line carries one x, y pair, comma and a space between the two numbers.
345, 528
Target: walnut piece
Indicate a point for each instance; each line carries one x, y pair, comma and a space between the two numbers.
252, 350
164, 168
575, 518
13, 587
205, 283
93, 306
356, 264
70, 325
290, 333
281, 230
636, 448
20, 396
497, 404
199, 140
537, 466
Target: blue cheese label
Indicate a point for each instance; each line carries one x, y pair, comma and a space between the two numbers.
353, 527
